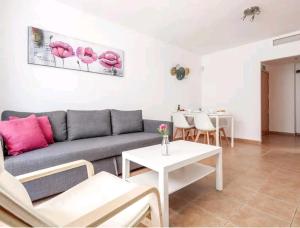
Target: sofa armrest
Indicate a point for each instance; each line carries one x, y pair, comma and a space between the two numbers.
152, 125
56, 169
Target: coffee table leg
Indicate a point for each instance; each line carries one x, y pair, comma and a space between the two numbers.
219, 172
164, 196
125, 168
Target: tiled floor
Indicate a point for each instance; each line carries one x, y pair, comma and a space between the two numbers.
261, 188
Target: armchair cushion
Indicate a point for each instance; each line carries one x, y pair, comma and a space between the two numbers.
90, 195
126, 121
88, 124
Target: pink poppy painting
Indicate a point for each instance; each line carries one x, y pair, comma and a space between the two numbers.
86, 55
55, 50
110, 60
61, 50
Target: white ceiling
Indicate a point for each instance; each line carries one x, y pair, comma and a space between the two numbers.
201, 26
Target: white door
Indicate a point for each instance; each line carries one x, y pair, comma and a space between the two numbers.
298, 100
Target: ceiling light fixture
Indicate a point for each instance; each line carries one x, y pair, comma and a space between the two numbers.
251, 12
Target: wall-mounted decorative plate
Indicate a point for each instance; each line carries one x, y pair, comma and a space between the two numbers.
180, 72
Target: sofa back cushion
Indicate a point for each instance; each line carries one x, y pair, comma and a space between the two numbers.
57, 119
88, 124
126, 121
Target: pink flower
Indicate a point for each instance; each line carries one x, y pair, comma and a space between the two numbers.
163, 127
86, 55
61, 49
110, 59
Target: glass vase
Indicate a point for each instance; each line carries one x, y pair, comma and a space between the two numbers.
165, 145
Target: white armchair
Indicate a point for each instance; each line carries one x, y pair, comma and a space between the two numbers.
101, 200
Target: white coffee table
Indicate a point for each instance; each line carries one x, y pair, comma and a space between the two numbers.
173, 172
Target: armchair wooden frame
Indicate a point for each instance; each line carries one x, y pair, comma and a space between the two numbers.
15, 214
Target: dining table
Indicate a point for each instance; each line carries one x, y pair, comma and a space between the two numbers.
217, 116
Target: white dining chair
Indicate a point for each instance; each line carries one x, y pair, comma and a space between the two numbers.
204, 126
181, 124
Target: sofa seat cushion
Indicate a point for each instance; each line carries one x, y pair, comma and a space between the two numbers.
90, 149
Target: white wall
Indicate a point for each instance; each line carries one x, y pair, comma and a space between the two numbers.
147, 84
281, 97
231, 79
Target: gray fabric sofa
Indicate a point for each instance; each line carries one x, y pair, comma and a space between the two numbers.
97, 136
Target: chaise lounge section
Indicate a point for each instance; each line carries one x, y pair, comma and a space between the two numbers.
98, 136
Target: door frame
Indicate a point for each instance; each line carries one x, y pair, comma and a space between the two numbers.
261, 104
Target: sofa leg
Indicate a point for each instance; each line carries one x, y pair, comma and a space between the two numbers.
116, 166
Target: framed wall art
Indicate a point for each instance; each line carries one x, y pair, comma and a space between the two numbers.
55, 50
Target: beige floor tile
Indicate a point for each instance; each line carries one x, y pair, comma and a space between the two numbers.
249, 216
195, 216
287, 184
191, 192
177, 203
223, 207
229, 224
251, 182
278, 208
281, 192
240, 193
296, 220
285, 176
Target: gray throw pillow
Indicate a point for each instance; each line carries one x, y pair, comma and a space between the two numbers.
88, 124
57, 120
126, 121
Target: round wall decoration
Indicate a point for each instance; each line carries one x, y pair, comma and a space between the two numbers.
180, 72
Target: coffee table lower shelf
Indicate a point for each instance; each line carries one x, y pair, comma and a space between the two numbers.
178, 179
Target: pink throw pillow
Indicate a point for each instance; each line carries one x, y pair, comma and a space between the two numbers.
22, 135
44, 125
